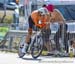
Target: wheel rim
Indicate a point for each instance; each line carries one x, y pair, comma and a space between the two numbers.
37, 47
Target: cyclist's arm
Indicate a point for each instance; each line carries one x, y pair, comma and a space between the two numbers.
58, 17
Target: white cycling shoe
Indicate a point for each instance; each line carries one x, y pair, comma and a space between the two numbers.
25, 48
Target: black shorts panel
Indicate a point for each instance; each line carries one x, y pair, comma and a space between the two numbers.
31, 23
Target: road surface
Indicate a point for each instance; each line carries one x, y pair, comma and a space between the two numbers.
12, 58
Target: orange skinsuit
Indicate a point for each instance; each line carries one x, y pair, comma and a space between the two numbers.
35, 17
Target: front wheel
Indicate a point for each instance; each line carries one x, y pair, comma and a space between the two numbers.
37, 46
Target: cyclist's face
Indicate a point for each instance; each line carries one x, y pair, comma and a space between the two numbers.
42, 16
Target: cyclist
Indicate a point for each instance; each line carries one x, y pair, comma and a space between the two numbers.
37, 18
56, 16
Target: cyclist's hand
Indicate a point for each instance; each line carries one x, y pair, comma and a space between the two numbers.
40, 27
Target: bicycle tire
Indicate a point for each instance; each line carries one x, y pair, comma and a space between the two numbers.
40, 43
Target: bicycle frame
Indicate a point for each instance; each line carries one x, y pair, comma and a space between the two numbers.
32, 39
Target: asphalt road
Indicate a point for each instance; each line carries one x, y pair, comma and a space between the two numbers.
12, 58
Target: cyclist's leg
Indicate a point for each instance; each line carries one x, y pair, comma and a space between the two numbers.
46, 35
28, 37
59, 35
56, 38
31, 24
65, 38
